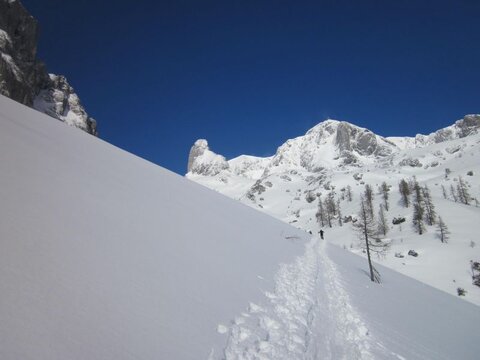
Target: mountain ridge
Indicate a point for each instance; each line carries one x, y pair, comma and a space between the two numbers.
349, 140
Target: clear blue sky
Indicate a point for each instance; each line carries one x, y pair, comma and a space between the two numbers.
248, 75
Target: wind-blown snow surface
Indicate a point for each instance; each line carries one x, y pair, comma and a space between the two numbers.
104, 255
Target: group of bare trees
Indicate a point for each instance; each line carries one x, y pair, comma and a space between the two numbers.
423, 207
459, 193
373, 227
369, 227
329, 209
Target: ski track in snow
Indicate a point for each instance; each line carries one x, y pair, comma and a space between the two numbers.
309, 316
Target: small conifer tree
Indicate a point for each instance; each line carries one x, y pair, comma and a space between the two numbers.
442, 230
404, 190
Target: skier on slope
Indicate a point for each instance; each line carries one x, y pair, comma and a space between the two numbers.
321, 234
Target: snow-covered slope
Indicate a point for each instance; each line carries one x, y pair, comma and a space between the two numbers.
112, 257
104, 255
334, 156
324, 307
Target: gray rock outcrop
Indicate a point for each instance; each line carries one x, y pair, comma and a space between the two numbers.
364, 142
25, 79
469, 125
60, 101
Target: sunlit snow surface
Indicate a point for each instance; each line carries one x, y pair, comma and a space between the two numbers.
104, 255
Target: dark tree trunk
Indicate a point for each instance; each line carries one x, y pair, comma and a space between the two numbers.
372, 277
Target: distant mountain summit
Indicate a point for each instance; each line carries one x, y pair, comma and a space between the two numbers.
331, 144
25, 79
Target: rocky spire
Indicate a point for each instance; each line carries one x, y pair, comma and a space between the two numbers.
203, 161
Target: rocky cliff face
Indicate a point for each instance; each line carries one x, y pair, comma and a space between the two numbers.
330, 144
25, 79
60, 101
21, 73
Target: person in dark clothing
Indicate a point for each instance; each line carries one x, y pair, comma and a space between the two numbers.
321, 234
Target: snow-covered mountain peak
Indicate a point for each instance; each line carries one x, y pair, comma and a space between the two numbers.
202, 160
326, 125
329, 144
332, 144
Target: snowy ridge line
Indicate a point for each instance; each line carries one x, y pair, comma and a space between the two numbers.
309, 316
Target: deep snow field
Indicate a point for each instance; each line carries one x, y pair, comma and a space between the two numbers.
104, 255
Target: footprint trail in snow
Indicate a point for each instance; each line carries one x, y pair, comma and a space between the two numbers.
308, 316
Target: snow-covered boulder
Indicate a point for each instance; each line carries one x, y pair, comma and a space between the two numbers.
410, 162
